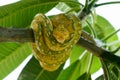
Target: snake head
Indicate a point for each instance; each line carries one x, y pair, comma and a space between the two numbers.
62, 26
61, 34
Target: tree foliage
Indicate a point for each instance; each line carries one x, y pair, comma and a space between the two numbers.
82, 63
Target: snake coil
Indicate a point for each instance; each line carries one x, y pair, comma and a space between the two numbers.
54, 38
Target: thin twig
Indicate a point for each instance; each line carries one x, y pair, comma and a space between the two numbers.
106, 3
86, 10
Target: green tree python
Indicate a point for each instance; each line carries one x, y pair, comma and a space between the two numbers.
54, 38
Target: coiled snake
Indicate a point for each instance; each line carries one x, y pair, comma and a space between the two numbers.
54, 38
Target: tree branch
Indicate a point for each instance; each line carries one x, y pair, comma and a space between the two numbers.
26, 35
16, 35
106, 3
86, 41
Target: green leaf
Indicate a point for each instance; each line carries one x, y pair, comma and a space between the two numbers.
85, 62
11, 55
70, 73
115, 72
42, 0
100, 77
69, 5
112, 70
75, 54
76, 69
96, 64
33, 71
85, 76
103, 28
20, 14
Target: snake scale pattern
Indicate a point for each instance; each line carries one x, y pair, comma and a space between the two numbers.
54, 38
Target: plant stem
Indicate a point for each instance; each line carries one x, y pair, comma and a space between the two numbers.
105, 69
90, 63
86, 10
91, 28
106, 3
110, 35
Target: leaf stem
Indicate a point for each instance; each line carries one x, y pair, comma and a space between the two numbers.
105, 69
91, 28
90, 63
113, 52
110, 35
106, 3
86, 3
40, 73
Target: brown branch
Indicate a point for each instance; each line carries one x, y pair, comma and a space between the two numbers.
86, 41
16, 35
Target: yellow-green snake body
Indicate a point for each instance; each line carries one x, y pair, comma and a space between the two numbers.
54, 38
